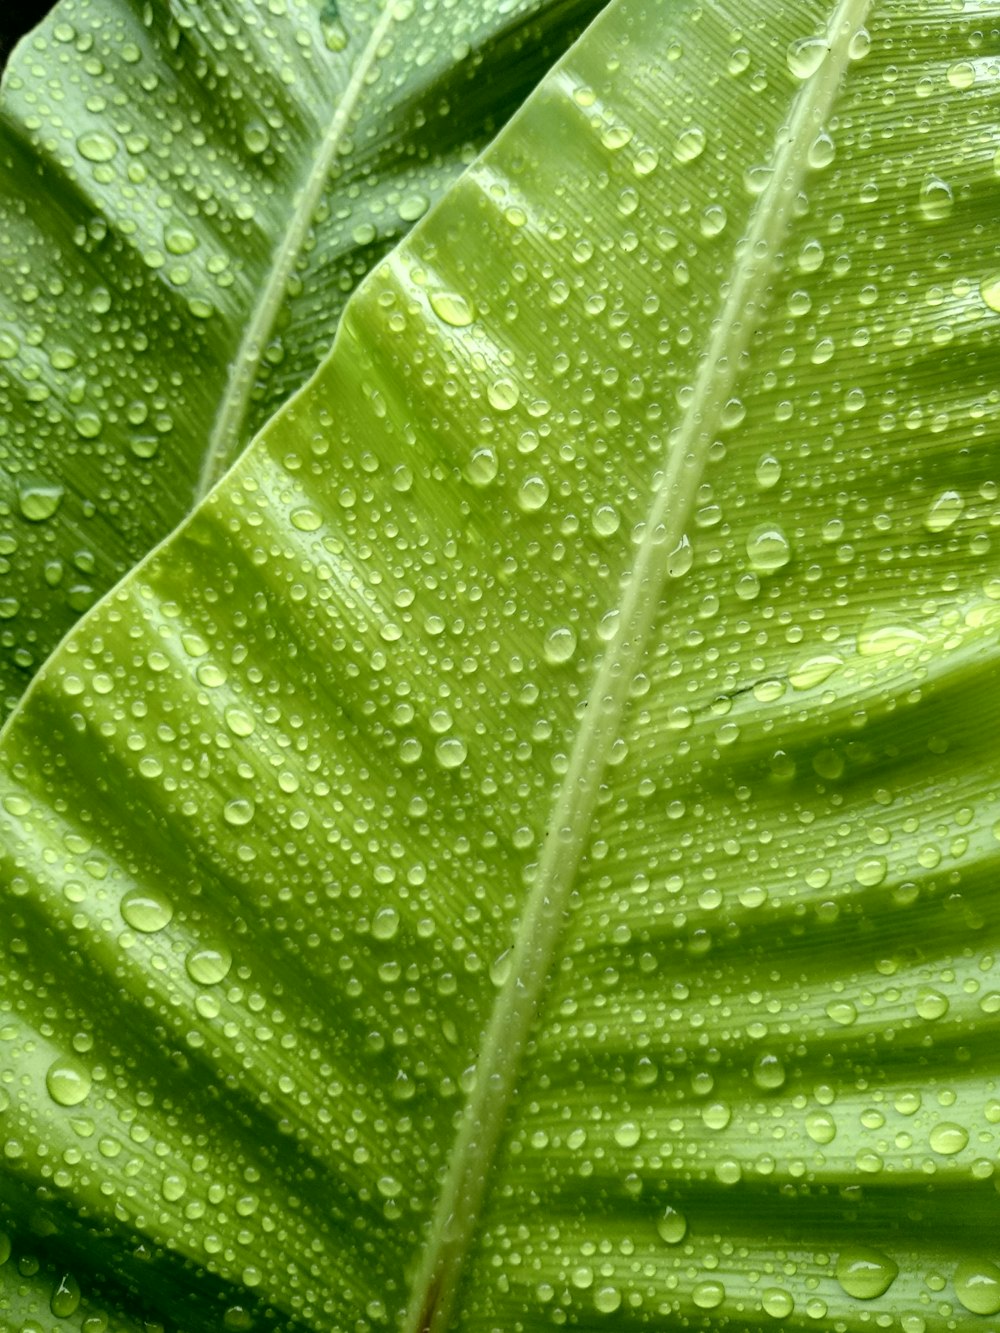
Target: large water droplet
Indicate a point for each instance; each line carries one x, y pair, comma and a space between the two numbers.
146, 911
864, 1273
768, 548
68, 1081
452, 308
977, 1286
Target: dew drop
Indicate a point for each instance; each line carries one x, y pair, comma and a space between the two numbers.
864, 1273
708, 1295
805, 55
768, 548
65, 1299
977, 1286
239, 722
238, 811
768, 471
777, 1302
503, 394
450, 751
814, 671
39, 500
681, 558
306, 520
482, 467
209, 964
690, 144
768, 1072
947, 1138
68, 1081
605, 520
607, 1299
944, 510
145, 910
533, 493
989, 289
560, 645
672, 1225
821, 1127
256, 137
96, 147
452, 308
385, 923
936, 199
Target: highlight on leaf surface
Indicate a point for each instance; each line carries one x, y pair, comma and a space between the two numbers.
188, 194
523, 853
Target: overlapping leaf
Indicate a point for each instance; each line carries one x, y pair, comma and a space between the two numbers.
188, 193
429, 794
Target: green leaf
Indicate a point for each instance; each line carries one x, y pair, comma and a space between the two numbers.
188, 194
523, 854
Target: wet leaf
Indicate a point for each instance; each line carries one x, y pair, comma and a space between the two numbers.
188, 193
523, 855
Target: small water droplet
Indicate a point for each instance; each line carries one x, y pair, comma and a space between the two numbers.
768, 1072
238, 811
768, 548
256, 137
385, 923
708, 1295
805, 55
146, 911
560, 645
39, 500
936, 199
777, 1302
690, 144
533, 493
672, 1225
977, 1286
943, 511
450, 751
68, 1081
947, 1138
209, 964
96, 147
503, 394
864, 1273
306, 520
452, 308
768, 471
65, 1299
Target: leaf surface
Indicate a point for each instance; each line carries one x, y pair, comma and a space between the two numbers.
523, 853
188, 195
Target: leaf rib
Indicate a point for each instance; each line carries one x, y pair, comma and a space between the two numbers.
506, 1035
226, 440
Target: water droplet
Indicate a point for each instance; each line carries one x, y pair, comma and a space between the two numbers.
607, 1299
680, 559
777, 1302
821, 1127
936, 199
96, 147
450, 751
560, 645
708, 1295
238, 811
39, 500
768, 548
385, 923
452, 308
768, 471
306, 520
605, 520
814, 671
503, 394
239, 722
805, 55
962, 74
413, 206
864, 1273
209, 964
877, 639
145, 910
690, 144
944, 510
256, 137
768, 1072
822, 151
533, 493
989, 289
931, 1004
481, 468
68, 1081
977, 1286
672, 1225
947, 1138
66, 1297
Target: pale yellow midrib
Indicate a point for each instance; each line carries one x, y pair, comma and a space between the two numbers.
502, 1048
232, 412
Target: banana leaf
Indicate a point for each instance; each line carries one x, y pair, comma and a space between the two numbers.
523, 854
188, 193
